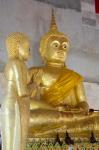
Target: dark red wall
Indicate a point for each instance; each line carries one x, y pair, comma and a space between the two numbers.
97, 6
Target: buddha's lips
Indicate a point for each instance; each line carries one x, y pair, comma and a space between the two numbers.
61, 57
60, 54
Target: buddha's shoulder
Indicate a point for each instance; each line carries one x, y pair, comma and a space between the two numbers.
35, 71
73, 74
15, 61
12, 64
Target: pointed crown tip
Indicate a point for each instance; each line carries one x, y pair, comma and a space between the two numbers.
53, 22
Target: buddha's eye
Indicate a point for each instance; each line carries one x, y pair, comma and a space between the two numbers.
65, 45
55, 44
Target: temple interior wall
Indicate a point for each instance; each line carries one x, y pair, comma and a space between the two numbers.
33, 18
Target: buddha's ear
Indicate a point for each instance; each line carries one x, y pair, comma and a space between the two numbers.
44, 60
19, 49
42, 54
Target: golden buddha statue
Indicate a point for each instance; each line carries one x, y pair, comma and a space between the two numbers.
60, 103
15, 107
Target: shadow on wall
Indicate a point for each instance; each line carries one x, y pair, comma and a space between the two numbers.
72, 4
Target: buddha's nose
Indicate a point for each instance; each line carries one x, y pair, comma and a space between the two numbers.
60, 47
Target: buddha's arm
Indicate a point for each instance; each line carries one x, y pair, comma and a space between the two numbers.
34, 75
34, 79
82, 106
81, 98
31, 72
20, 83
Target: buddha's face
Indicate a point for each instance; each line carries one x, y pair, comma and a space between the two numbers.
57, 49
24, 50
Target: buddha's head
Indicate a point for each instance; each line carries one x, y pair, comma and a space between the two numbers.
18, 46
54, 45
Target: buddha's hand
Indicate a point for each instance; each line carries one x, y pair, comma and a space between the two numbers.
32, 90
64, 108
83, 106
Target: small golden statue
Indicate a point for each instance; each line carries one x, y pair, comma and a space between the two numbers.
60, 103
15, 107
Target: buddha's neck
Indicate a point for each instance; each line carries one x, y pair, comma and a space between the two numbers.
54, 64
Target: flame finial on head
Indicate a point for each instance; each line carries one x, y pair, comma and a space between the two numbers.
53, 25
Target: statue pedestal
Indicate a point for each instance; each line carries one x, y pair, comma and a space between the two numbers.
48, 144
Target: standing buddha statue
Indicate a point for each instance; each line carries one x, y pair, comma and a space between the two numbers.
15, 106
60, 103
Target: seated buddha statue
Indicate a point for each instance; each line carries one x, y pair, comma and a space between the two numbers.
59, 103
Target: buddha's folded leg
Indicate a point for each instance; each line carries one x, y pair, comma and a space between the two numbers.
44, 122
